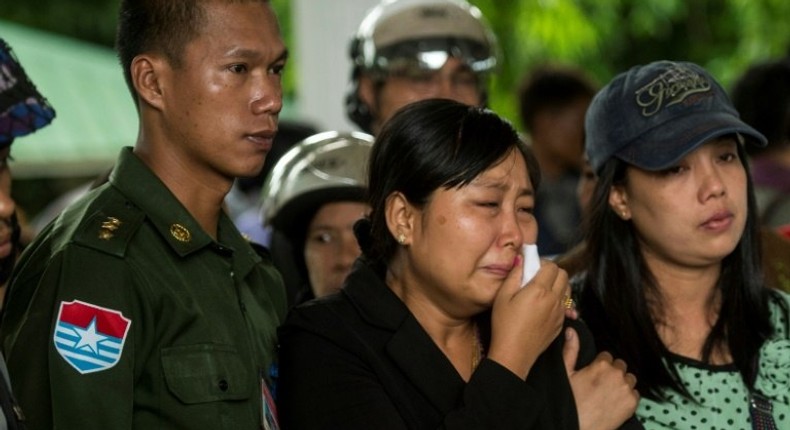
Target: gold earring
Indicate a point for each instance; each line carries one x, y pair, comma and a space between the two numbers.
401, 238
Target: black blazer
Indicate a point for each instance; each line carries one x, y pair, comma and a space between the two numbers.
360, 360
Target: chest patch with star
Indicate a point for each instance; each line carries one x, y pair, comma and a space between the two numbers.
90, 338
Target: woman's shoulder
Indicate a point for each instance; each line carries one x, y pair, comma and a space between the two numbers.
780, 296
779, 307
319, 312
330, 319
364, 303
773, 375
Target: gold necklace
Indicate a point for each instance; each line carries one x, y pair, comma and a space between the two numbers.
477, 348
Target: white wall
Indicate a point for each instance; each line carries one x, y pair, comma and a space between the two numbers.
323, 31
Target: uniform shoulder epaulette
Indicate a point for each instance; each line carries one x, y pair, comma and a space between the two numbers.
110, 226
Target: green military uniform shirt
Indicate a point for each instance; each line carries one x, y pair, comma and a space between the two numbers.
125, 314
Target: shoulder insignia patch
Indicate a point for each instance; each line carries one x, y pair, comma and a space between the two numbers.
110, 231
180, 233
90, 338
108, 227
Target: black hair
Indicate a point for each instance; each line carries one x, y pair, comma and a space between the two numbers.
762, 97
427, 145
551, 87
616, 290
163, 26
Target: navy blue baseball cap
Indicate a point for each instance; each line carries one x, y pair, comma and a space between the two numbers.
653, 115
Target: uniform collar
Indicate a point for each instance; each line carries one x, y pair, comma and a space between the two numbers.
175, 224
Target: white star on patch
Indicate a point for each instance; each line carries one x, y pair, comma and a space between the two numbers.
89, 337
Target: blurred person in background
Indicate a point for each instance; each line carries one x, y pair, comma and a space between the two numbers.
573, 260
552, 102
762, 96
23, 110
410, 50
313, 196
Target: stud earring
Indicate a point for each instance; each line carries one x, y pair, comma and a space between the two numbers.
401, 238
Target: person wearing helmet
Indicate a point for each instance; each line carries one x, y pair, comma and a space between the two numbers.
311, 199
410, 50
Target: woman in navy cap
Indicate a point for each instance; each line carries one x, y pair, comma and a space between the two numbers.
674, 285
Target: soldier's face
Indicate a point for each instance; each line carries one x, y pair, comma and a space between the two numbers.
222, 104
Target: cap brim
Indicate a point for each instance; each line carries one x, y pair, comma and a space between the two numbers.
433, 53
24, 117
665, 145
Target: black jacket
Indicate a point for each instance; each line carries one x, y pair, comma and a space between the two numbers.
360, 360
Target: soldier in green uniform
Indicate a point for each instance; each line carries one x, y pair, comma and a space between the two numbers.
141, 306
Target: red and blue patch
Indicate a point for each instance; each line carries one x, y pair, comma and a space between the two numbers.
90, 338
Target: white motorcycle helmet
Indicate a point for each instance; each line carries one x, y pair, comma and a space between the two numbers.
418, 34
322, 168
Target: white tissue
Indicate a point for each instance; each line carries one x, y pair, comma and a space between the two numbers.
531, 262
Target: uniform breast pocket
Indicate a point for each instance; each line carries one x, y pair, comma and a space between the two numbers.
206, 373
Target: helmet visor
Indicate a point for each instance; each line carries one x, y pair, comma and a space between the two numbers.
431, 54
